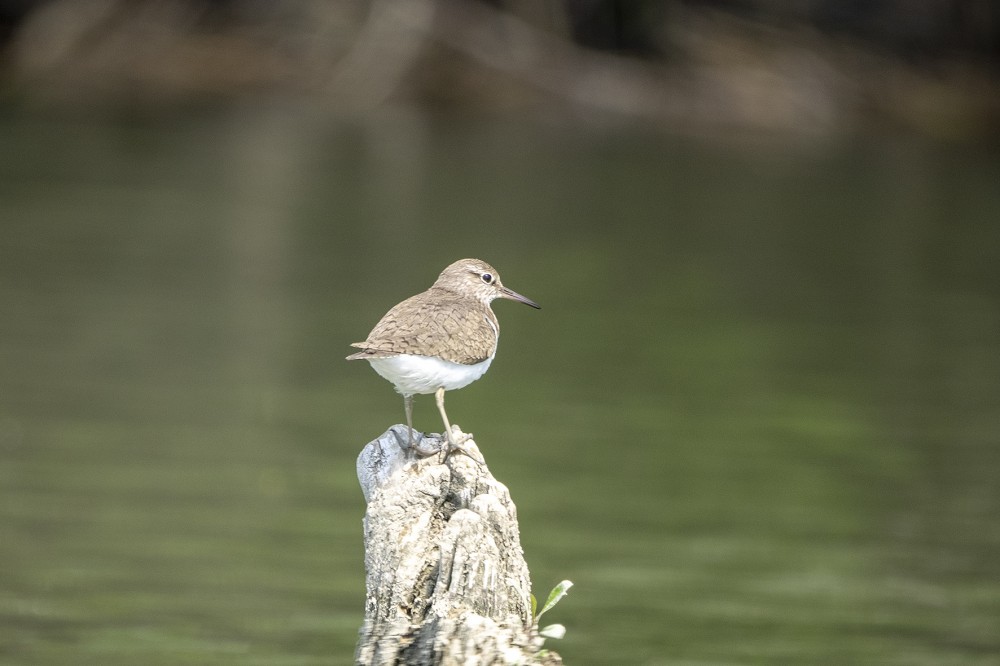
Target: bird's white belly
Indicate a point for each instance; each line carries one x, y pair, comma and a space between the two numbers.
414, 374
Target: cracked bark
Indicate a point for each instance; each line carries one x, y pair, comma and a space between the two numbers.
446, 580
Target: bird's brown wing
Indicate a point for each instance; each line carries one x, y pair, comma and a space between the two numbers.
432, 324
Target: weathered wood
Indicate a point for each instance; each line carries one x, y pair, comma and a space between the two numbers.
446, 578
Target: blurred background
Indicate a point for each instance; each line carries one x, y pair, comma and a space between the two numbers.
756, 421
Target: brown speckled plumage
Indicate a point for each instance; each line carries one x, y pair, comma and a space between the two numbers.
441, 339
433, 323
451, 320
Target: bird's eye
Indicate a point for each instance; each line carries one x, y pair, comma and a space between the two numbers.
487, 278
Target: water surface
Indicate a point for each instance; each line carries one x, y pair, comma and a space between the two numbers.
756, 420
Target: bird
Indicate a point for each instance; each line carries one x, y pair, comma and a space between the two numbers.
441, 339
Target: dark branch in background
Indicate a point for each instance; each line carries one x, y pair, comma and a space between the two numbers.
695, 66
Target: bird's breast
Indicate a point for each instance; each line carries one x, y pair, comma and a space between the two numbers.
412, 374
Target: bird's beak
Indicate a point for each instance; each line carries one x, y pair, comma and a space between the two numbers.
514, 296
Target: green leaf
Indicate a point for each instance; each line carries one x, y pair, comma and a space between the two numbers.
534, 604
557, 593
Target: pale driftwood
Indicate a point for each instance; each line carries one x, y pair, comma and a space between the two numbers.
446, 578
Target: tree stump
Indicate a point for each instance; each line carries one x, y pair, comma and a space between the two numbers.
446, 578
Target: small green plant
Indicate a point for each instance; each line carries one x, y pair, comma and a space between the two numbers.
557, 593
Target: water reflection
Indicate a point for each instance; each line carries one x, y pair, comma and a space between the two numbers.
756, 420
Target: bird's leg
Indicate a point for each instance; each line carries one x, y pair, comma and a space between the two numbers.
439, 395
421, 448
408, 408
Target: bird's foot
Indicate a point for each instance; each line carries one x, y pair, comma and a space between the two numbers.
442, 445
456, 440
423, 445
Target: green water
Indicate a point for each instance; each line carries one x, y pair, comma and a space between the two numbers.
756, 421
